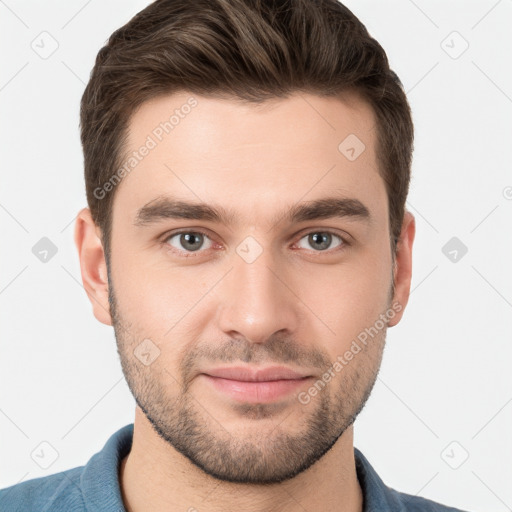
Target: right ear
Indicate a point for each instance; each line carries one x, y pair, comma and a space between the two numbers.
92, 264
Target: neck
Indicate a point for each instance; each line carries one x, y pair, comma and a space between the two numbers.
154, 476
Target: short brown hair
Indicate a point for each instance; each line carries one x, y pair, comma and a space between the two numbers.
250, 50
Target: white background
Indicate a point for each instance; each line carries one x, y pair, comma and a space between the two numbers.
446, 372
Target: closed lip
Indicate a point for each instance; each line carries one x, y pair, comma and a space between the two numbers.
247, 374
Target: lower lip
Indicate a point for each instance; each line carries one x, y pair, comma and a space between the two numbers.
255, 392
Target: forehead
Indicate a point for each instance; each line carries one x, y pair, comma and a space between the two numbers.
253, 159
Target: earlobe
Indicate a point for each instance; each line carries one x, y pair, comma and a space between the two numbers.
403, 267
92, 265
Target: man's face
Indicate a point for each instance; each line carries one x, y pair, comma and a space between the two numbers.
257, 289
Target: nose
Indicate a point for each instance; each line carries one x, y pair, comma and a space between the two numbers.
257, 299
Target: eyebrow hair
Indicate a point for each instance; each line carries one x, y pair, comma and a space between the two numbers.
164, 207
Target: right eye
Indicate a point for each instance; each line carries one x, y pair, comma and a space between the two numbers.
187, 241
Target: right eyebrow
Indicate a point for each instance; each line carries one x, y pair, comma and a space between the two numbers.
164, 207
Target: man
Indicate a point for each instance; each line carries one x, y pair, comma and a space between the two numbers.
247, 165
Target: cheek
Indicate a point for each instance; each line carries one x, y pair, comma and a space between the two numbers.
157, 298
350, 296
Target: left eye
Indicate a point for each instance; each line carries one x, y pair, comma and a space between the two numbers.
321, 240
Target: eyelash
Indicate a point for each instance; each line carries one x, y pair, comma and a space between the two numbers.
344, 242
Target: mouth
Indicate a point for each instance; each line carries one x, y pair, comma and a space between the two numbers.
256, 385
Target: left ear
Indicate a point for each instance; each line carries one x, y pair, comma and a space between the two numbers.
402, 273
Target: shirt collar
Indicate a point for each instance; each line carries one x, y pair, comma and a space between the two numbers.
100, 479
102, 493
376, 494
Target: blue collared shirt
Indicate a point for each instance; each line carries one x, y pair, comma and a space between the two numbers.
95, 486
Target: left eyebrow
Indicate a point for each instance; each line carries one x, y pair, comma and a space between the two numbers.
165, 207
328, 208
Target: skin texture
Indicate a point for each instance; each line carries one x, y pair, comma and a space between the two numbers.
294, 305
